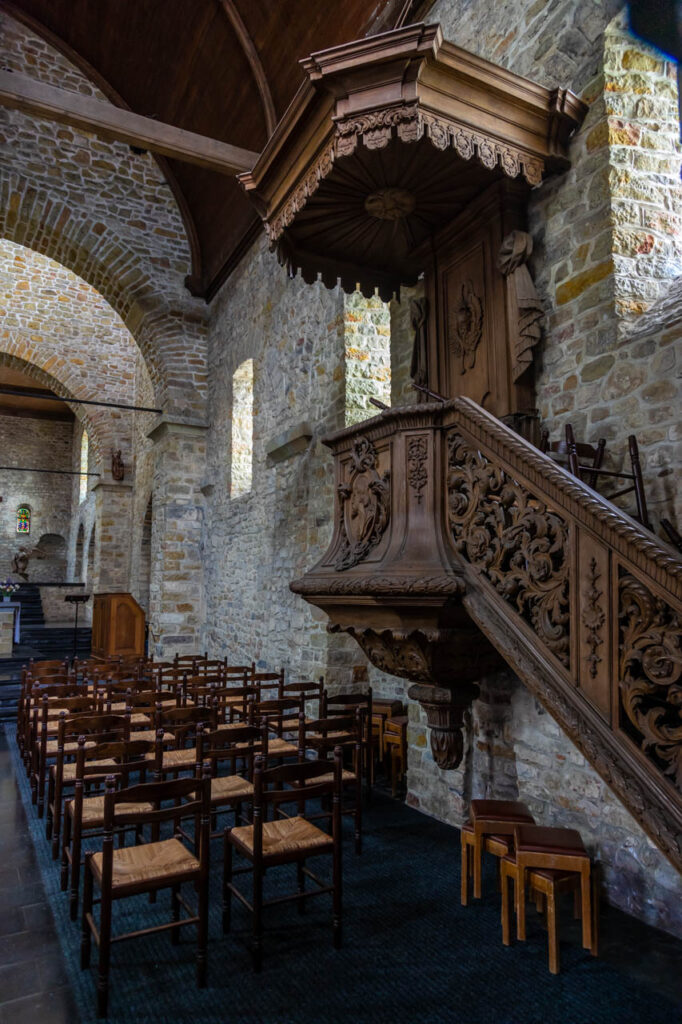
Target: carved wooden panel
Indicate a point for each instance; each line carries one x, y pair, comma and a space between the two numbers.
592, 616
364, 507
468, 321
515, 539
650, 672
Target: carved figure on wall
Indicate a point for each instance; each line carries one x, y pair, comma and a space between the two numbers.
118, 471
526, 326
21, 559
364, 506
419, 367
466, 326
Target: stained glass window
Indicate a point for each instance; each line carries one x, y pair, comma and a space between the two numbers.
83, 488
23, 519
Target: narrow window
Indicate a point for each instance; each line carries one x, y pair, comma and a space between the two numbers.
23, 519
367, 333
242, 429
83, 488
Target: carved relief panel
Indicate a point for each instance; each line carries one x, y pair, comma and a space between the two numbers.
484, 315
364, 505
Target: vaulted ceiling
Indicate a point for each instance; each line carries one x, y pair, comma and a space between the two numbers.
226, 69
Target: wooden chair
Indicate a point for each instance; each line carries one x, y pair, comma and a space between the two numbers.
492, 821
43, 733
341, 704
564, 451
93, 729
548, 861
84, 813
308, 691
232, 747
276, 713
182, 724
131, 870
322, 737
286, 840
578, 460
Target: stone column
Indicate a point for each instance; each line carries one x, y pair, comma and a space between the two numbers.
113, 507
176, 605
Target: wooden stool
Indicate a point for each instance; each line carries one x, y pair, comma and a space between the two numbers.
500, 846
549, 861
488, 818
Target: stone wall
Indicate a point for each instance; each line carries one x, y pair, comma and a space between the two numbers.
109, 215
44, 444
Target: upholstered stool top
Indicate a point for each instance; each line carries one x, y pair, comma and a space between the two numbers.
539, 839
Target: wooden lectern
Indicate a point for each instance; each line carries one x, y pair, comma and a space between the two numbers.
117, 626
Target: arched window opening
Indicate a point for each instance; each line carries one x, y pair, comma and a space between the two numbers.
83, 487
367, 336
242, 429
23, 519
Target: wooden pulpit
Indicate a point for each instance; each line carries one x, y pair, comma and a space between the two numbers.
117, 626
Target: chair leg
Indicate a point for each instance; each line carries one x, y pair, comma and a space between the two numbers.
464, 884
257, 949
175, 913
478, 857
51, 809
301, 885
337, 897
86, 936
505, 877
520, 882
552, 932
227, 881
585, 885
104, 955
75, 873
66, 843
595, 910
202, 932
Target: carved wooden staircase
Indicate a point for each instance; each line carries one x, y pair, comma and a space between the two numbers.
448, 526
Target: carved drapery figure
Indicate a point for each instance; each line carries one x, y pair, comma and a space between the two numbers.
466, 326
526, 326
117, 466
419, 367
363, 506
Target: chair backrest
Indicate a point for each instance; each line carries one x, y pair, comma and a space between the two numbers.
275, 711
324, 734
92, 725
309, 689
295, 783
232, 743
183, 722
571, 453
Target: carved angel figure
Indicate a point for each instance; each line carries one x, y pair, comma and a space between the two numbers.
514, 253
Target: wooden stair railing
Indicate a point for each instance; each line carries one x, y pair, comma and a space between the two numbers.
448, 521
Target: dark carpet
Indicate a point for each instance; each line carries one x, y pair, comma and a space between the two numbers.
411, 952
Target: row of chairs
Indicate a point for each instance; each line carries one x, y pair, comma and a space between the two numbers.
540, 862
143, 749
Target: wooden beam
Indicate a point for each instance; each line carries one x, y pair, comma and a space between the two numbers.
257, 69
19, 92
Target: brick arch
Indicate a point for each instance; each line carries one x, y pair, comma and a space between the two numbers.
93, 419
31, 217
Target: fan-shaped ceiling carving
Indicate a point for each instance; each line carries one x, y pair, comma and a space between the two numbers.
187, 64
387, 141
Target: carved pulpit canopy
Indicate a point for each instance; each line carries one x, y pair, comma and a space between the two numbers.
389, 139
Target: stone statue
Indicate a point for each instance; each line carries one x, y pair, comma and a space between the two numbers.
419, 365
527, 328
118, 471
21, 560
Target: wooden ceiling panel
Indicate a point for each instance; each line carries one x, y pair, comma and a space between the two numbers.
182, 62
